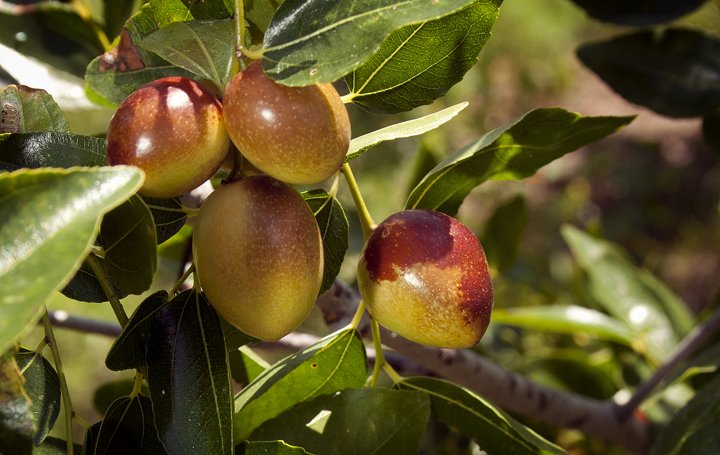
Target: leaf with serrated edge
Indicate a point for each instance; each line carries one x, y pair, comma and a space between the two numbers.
64, 208
312, 41
514, 151
336, 362
417, 64
409, 128
189, 377
334, 226
493, 430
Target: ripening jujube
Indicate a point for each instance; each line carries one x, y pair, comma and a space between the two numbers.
298, 135
424, 275
258, 254
172, 129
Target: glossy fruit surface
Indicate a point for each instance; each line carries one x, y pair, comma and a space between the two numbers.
424, 276
258, 255
172, 129
299, 135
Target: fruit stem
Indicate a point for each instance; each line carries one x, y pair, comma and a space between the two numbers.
182, 279
64, 391
107, 289
394, 375
240, 35
366, 222
379, 354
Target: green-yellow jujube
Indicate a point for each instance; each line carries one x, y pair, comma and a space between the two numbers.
258, 254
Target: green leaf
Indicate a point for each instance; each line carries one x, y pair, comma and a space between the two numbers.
638, 12
419, 63
336, 362
63, 207
26, 110
17, 424
623, 291
492, 429
189, 377
115, 13
311, 41
90, 438
259, 13
128, 428
43, 388
169, 11
34, 150
503, 232
675, 73
129, 260
514, 151
569, 319
54, 446
129, 349
169, 216
410, 128
268, 448
354, 421
693, 429
107, 393
205, 48
333, 224
245, 365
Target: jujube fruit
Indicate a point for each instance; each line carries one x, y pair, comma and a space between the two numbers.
424, 275
258, 255
299, 135
172, 129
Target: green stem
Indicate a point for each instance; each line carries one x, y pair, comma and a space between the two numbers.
182, 279
240, 33
394, 375
379, 354
102, 277
357, 317
67, 403
137, 386
366, 222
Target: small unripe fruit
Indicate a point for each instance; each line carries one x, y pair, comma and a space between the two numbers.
299, 135
424, 275
258, 255
172, 129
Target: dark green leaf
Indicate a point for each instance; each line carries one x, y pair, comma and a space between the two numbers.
419, 63
17, 425
409, 128
570, 319
676, 73
333, 224
169, 11
129, 349
638, 12
91, 439
657, 318
43, 388
260, 12
189, 377
234, 337
106, 394
128, 428
129, 246
336, 362
64, 208
268, 448
169, 215
503, 232
245, 365
311, 41
27, 110
205, 48
694, 429
115, 13
354, 421
492, 429
54, 446
514, 151
34, 150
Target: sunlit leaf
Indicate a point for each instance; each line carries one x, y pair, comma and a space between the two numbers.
26, 110
354, 421
514, 151
492, 429
335, 363
674, 73
419, 63
189, 377
311, 41
409, 128
33, 150
64, 208
333, 225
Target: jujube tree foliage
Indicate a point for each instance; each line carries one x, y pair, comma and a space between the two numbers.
250, 100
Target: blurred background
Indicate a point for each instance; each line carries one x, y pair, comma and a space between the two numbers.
653, 188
